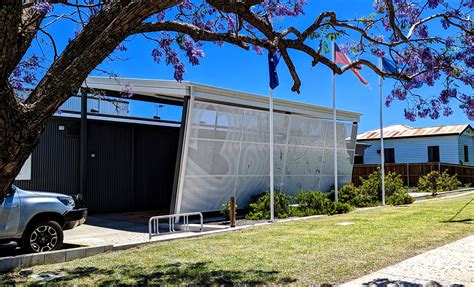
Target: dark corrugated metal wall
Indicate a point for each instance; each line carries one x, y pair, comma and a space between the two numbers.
130, 167
155, 152
109, 167
55, 161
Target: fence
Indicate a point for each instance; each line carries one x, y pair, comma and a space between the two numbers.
411, 172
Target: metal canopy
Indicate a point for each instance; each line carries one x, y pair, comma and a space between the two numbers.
166, 90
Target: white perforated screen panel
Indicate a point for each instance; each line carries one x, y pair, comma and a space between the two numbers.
228, 155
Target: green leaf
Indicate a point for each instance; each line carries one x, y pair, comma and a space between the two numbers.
314, 35
325, 48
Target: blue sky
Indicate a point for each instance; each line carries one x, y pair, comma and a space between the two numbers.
234, 68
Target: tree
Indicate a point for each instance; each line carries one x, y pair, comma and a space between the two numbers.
34, 86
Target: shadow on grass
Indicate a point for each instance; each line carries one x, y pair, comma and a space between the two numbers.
385, 282
452, 219
466, 220
178, 273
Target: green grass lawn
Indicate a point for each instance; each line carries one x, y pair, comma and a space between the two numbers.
308, 251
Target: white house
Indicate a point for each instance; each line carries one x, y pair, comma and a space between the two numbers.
404, 144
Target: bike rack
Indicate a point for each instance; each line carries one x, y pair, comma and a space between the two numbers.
154, 222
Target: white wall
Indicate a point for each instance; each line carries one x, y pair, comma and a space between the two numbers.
25, 172
227, 154
415, 150
468, 140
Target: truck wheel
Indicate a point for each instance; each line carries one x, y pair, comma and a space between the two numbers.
43, 236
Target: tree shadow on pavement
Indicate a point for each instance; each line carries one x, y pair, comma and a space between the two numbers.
385, 282
177, 274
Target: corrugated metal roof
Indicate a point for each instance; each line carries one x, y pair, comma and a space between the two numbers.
402, 131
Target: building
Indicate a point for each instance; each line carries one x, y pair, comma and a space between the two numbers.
404, 144
219, 149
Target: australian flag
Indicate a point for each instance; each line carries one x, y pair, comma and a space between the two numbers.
389, 66
273, 59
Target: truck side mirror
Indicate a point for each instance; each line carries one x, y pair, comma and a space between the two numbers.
11, 190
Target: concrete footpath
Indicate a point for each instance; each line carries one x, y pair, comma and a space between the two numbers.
448, 265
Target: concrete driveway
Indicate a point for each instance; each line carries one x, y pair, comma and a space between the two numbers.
107, 231
118, 229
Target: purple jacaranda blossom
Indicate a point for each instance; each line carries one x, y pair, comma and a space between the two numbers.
446, 95
291, 8
127, 91
409, 114
378, 52
29, 78
423, 112
468, 106
171, 55
422, 31
399, 93
179, 71
447, 111
160, 17
435, 109
434, 3
388, 101
24, 74
444, 63
379, 6
42, 7
469, 3
186, 4
345, 48
156, 54
192, 52
257, 49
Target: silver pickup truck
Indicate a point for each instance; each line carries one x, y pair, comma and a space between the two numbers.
35, 221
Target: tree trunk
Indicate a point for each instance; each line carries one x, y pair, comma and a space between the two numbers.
19, 135
21, 125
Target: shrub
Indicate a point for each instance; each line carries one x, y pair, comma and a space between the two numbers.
435, 182
369, 193
353, 196
226, 210
311, 203
399, 198
371, 188
316, 202
448, 182
393, 184
259, 207
341, 207
427, 183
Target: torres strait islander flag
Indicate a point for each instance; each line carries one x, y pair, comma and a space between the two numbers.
341, 58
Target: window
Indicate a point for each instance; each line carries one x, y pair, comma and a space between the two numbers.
433, 154
358, 159
466, 153
389, 154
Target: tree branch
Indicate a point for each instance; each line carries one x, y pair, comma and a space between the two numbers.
10, 21
99, 38
199, 34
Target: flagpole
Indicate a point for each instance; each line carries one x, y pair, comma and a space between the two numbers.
272, 195
382, 150
334, 118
